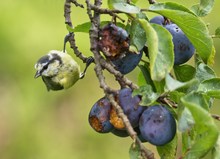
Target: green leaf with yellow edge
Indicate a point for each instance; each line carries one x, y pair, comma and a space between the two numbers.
193, 27
203, 8
206, 132
168, 151
161, 49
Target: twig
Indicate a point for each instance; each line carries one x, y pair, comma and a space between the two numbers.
77, 4
216, 116
101, 64
152, 1
119, 77
71, 38
107, 11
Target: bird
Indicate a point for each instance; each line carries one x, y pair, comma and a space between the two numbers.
58, 70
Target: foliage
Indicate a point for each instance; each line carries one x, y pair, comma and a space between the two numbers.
187, 90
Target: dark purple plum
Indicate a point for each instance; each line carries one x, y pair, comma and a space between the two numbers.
128, 62
114, 40
157, 125
99, 116
130, 105
158, 20
183, 48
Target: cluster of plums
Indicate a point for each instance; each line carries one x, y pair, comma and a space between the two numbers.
114, 43
154, 124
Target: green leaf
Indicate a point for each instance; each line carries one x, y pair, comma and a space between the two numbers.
211, 87
172, 84
134, 1
198, 99
134, 151
126, 8
186, 121
217, 33
170, 6
111, 2
216, 150
203, 8
160, 47
145, 76
168, 151
206, 132
176, 96
148, 97
137, 35
184, 73
204, 72
194, 28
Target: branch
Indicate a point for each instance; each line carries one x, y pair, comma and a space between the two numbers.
216, 116
76, 3
102, 64
71, 37
152, 1
107, 11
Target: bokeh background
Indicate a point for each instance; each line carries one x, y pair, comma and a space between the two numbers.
36, 124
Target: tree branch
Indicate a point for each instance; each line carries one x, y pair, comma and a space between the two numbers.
101, 64
152, 1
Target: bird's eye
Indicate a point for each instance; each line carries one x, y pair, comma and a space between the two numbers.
45, 67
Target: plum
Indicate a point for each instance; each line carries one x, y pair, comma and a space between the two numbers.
158, 20
128, 62
131, 108
183, 48
114, 40
157, 125
99, 116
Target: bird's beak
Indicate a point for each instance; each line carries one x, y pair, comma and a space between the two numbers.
37, 74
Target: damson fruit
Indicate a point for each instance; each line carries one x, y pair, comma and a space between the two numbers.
157, 125
99, 116
114, 40
158, 20
128, 62
183, 48
131, 108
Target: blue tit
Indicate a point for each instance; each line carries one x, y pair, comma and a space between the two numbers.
58, 70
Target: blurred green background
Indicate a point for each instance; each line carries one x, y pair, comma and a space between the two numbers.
36, 124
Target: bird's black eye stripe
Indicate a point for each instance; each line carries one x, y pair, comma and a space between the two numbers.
56, 57
44, 59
